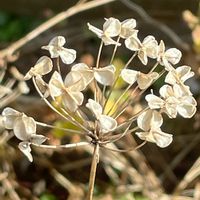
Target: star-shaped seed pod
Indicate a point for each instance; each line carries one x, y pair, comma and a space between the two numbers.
111, 28
147, 48
106, 123
143, 80
150, 122
56, 49
169, 57
104, 75
43, 66
69, 90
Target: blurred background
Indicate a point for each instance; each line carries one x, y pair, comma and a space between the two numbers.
173, 172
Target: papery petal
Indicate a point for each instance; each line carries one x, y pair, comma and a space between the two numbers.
145, 80
95, 30
105, 75
133, 43
173, 55
127, 28
94, 107
58, 41
38, 139
112, 27
24, 127
161, 49
23, 87
149, 119
107, 123
52, 50
184, 73
162, 139
129, 75
142, 56
171, 78
74, 81
171, 106
69, 102
151, 46
186, 110
145, 136
187, 107
166, 91
9, 117
67, 55
154, 102
181, 90
156, 136
144, 119
43, 66
26, 150
56, 85
42, 85
166, 64
87, 73
78, 97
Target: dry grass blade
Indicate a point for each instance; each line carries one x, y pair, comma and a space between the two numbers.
192, 174
75, 192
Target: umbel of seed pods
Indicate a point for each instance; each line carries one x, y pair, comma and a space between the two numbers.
69, 94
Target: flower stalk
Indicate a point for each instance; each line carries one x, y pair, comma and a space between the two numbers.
95, 161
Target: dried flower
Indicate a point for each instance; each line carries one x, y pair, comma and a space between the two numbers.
69, 90
43, 66
56, 49
168, 57
173, 101
104, 75
143, 80
106, 123
128, 28
147, 48
111, 28
24, 129
179, 75
150, 122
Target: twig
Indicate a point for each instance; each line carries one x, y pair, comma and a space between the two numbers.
9, 51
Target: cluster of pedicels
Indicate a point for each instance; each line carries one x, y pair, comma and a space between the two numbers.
68, 98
